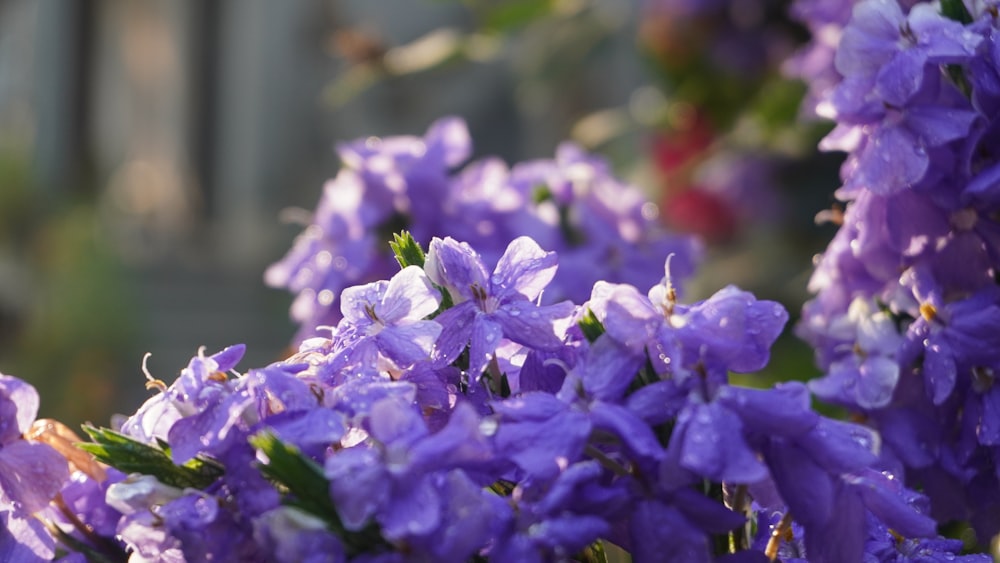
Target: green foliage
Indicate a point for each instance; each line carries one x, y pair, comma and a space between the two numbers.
111, 554
300, 477
131, 456
407, 250
512, 14
305, 487
591, 326
409, 253
956, 10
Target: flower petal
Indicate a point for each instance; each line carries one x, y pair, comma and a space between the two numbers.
524, 268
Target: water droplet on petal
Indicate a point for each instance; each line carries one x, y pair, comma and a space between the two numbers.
488, 426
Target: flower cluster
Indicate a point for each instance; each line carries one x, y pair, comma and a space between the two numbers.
603, 229
530, 388
906, 320
450, 416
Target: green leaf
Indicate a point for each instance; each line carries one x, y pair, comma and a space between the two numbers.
603, 551
956, 10
591, 326
504, 386
409, 253
300, 476
513, 14
131, 456
407, 250
541, 193
593, 553
305, 487
502, 487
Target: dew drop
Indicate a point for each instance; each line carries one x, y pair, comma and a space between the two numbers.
515, 312
488, 426
534, 314
325, 297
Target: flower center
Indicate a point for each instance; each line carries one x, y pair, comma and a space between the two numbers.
377, 324
486, 303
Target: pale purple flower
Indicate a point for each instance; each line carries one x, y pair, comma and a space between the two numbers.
198, 384
891, 48
489, 307
866, 371
387, 319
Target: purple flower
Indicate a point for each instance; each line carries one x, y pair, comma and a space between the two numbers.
391, 479
541, 433
490, 307
691, 516
883, 44
24, 538
958, 335
384, 181
142, 531
196, 516
31, 473
571, 204
386, 319
731, 329
200, 383
885, 546
289, 535
641, 326
866, 373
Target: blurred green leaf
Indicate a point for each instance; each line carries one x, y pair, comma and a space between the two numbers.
512, 14
307, 489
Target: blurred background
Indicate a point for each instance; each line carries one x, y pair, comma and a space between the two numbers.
153, 153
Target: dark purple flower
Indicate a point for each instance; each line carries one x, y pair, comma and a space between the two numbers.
391, 478
559, 517
289, 535
541, 433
